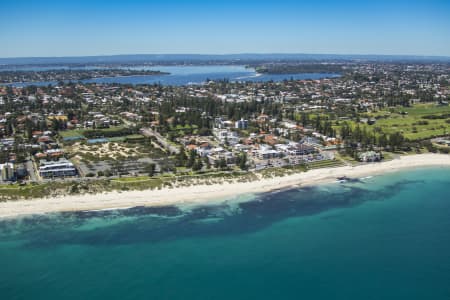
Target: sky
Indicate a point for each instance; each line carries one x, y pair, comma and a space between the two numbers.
46, 28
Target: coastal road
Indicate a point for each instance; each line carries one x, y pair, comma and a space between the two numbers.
150, 132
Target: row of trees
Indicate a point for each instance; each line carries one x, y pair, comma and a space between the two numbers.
357, 138
201, 111
196, 163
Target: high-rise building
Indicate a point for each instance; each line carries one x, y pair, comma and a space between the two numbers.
7, 172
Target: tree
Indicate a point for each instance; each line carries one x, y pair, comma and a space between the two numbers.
242, 161
383, 140
198, 165
150, 169
181, 157
191, 160
55, 125
222, 163
206, 161
29, 128
396, 140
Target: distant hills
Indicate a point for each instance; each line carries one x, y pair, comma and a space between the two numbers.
204, 58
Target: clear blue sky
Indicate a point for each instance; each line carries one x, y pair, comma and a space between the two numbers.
97, 27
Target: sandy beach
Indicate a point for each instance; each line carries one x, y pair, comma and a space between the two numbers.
205, 193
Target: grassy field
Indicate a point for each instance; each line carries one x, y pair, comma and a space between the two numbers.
130, 137
413, 122
325, 164
16, 191
132, 179
80, 132
71, 133
415, 125
138, 183
116, 139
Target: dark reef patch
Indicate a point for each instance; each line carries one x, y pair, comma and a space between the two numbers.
154, 224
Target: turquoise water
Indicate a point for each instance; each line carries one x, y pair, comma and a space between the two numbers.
382, 238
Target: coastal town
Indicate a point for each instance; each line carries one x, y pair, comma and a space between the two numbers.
62, 74
72, 133
225, 150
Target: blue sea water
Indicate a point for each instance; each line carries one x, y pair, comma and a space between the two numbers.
386, 237
186, 75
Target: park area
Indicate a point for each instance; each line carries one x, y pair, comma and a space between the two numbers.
422, 121
419, 122
94, 136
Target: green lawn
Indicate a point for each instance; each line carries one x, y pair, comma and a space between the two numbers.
325, 164
129, 137
134, 136
413, 125
14, 186
139, 183
71, 133
81, 132
426, 109
132, 179
28, 190
116, 139
110, 129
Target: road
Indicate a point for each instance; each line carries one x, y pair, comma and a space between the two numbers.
149, 133
31, 171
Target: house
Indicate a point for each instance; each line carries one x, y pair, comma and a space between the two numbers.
8, 142
270, 139
266, 152
45, 139
242, 147
217, 154
219, 123
295, 149
62, 118
300, 149
191, 147
311, 141
50, 153
369, 156
204, 149
262, 118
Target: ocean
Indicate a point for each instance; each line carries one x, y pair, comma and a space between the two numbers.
384, 237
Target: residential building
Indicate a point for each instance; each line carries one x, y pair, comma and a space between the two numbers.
59, 168
266, 152
241, 124
369, 156
7, 172
225, 136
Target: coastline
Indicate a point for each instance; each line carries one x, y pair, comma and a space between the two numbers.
197, 194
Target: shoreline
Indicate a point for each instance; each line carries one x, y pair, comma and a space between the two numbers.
209, 193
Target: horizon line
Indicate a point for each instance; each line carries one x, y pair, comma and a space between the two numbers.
231, 54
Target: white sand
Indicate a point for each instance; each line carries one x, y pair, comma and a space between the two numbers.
203, 193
